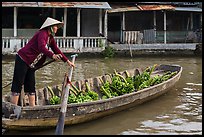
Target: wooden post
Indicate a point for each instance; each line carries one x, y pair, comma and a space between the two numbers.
164, 27
63, 110
100, 21
105, 24
65, 22
78, 22
15, 22
123, 28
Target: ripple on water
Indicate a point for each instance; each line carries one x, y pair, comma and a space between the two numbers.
194, 84
178, 121
174, 127
188, 89
194, 94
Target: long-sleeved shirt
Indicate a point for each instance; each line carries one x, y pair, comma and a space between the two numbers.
37, 45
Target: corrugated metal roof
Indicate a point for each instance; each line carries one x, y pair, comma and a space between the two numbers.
156, 7
196, 9
123, 9
19, 4
173, 3
100, 5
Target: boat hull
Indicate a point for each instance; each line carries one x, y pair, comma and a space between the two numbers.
47, 116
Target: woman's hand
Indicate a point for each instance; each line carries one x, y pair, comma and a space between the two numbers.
70, 63
57, 56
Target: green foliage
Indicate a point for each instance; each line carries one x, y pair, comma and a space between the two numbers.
144, 80
108, 52
82, 96
54, 99
119, 85
101, 45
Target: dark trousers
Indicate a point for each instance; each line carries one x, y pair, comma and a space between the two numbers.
23, 75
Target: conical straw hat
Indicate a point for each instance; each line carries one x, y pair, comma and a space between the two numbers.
50, 21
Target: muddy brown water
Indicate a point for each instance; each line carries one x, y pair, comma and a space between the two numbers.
179, 112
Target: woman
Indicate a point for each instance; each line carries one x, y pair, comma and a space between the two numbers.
34, 54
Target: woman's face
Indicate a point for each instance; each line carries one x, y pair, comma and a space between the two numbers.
55, 28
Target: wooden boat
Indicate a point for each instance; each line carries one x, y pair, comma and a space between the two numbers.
43, 115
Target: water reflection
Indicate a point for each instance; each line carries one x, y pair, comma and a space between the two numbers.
160, 128
185, 119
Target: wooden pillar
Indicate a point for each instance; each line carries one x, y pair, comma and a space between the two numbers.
78, 22
123, 28
155, 25
15, 22
123, 21
200, 21
191, 19
65, 22
105, 24
164, 27
100, 21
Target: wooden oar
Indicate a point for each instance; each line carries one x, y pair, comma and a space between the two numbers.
65, 92
48, 62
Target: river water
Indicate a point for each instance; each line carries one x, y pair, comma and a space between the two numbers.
179, 112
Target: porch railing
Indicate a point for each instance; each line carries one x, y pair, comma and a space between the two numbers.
179, 36
151, 36
66, 44
132, 37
